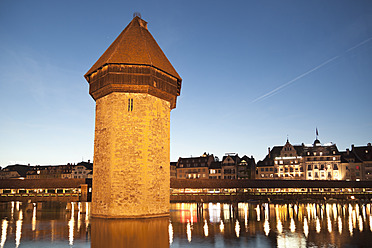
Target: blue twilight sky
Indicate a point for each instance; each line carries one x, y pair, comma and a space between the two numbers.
253, 72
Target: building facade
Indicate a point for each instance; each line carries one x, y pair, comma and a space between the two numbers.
194, 167
301, 162
322, 162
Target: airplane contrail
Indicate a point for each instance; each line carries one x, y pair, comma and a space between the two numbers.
274, 91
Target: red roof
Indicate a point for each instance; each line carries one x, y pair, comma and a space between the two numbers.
136, 46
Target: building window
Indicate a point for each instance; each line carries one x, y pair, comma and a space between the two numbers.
130, 104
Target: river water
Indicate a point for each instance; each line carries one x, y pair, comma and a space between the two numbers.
190, 225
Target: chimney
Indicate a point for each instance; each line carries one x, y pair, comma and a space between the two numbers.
268, 149
352, 146
347, 151
369, 144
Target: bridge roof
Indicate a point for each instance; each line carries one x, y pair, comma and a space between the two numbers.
41, 183
242, 183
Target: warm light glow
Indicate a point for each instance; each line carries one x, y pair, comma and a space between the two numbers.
306, 227
205, 227
350, 225
317, 225
4, 229
329, 224
170, 232
266, 211
71, 225
33, 221
266, 227
188, 231
222, 227
237, 228
191, 216
360, 222
12, 210
226, 211
334, 210
292, 226
258, 213
18, 233
214, 212
354, 219
87, 214
246, 217
279, 226
339, 225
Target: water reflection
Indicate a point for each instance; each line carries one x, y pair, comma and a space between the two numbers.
4, 228
190, 225
130, 233
295, 225
18, 228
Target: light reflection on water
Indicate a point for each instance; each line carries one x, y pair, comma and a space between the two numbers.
189, 225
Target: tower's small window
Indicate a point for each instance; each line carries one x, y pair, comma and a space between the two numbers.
130, 104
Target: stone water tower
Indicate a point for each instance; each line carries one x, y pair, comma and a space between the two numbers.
135, 87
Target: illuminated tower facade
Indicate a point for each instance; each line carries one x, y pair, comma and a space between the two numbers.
135, 87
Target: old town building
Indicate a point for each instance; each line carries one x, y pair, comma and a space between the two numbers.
230, 166
303, 162
282, 162
351, 166
215, 170
83, 170
246, 167
357, 163
194, 167
322, 162
289, 163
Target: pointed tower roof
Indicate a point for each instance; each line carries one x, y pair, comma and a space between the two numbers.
135, 46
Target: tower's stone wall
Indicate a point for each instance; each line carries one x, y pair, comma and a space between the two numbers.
131, 156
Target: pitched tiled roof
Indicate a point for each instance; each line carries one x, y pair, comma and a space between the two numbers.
349, 156
364, 153
136, 46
